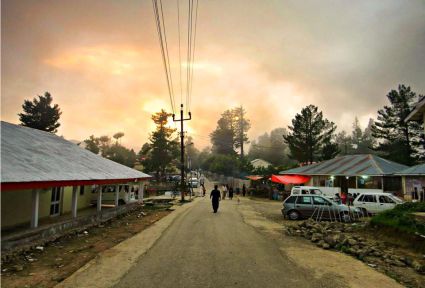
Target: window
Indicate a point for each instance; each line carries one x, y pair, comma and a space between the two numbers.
291, 199
304, 200
82, 190
361, 198
369, 198
303, 191
320, 201
315, 191
385, 199
55, 201
296, 191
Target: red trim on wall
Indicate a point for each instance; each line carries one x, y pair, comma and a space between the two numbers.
48, 184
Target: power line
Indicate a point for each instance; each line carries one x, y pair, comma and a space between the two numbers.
193, 55
165, 58
188, 51
180, 57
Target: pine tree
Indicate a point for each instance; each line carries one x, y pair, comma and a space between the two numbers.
309, 133
403, 142
241, 126
40, 114
92, 144
223, 137
163, 149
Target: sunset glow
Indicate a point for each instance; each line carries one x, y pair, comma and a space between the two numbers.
101, 62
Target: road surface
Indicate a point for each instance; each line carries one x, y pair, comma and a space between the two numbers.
237, 247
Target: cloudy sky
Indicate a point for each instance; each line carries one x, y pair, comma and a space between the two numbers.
101, 61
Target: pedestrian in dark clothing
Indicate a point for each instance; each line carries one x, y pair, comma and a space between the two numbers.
216, 197
231, 193
243, 190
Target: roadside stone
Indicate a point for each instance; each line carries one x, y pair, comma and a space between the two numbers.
316, 237
419, 267
18, 268
331, 240
325, 245
352, 241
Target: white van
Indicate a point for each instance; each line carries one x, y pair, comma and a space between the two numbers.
127, 194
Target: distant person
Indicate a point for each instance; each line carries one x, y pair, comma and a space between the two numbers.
216, 197
202, 181
224, 191
231, 192
203, 190
343, 198
243, 190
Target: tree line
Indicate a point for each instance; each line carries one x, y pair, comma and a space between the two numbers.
310, 138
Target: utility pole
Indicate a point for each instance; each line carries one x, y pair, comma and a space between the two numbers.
241, 125
181, 120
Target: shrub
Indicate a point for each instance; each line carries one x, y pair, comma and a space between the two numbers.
401, 219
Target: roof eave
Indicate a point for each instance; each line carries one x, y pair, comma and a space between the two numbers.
8, 186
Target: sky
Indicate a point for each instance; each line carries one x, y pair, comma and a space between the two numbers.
101, 61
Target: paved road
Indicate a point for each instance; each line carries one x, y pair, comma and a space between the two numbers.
203, 249
242, 246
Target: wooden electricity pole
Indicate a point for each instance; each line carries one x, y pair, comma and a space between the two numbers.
181, 120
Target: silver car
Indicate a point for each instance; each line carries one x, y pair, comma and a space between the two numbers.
305, 206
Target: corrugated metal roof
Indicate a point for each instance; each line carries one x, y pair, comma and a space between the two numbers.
350, 165
30, 155
418, 170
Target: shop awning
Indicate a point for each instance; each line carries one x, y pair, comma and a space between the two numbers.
254, 177
290, 179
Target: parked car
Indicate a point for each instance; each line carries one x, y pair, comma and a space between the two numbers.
373, 202
193, 182
304, 206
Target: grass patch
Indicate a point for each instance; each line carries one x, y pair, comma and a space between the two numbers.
401, 219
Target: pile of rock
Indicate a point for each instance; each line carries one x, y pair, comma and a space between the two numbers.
341, 237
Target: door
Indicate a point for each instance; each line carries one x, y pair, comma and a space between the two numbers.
304, 206
385, 203
370, 203
55, 201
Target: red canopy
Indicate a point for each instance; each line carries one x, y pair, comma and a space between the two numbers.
290, 179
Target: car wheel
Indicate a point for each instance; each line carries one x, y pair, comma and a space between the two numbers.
293, 215
345, 217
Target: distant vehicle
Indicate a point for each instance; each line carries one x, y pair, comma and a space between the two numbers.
303, 206
127, 194
305, 190
375, 202
193, 182
176, 178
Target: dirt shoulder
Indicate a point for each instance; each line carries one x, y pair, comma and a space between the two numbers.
54, 262
324, 264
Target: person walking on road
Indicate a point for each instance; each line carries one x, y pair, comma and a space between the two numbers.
216, 197
203, 190
243, 190
231, 192
224, 191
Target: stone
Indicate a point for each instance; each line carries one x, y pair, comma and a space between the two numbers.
331, 240
419, 267
352, 241
316, 237
325, 245
18, 268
